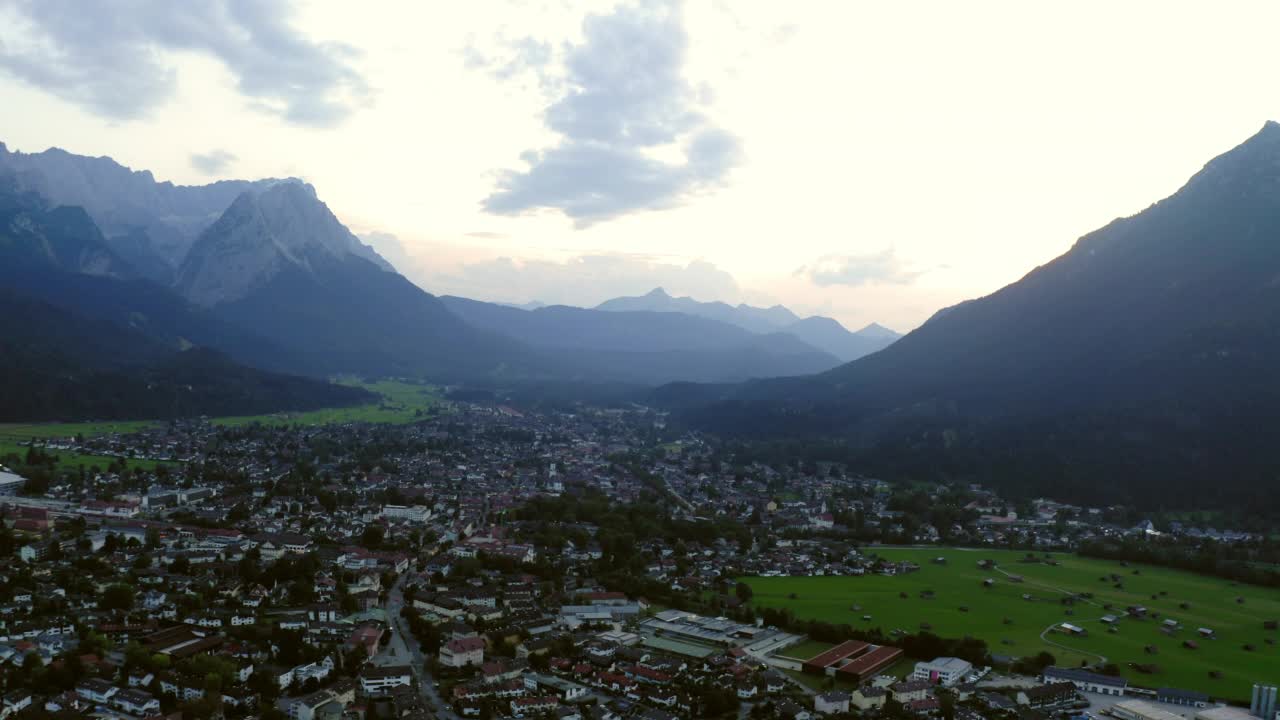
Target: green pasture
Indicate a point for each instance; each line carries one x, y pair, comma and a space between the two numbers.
1015, 626
400, 403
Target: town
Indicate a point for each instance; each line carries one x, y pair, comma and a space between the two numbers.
489, 562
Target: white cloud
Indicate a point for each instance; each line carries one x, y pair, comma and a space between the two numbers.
214, 162
622, 97
855, 270
115, 57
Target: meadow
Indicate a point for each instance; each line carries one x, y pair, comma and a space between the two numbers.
399, 403
1017, 626
71, 460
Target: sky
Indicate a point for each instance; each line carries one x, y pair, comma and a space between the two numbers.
866, 161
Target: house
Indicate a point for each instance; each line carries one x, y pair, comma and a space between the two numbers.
830, 703
789, 710
375, 681
15, 702
909, 690
1047, 695
462, 651
138, 703
304, 708
96, 690
869, 698
521, 707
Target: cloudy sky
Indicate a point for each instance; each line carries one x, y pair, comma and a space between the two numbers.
869, 161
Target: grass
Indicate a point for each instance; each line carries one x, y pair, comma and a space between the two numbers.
806, 649
959, 583
71, 460
24, 432
400, 403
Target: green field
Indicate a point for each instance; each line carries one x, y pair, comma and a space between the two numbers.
400, 403
24, 432
806, 649
1212, 604
70, 460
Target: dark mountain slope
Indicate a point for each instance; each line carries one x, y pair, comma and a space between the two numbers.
57, 255
36, 236
55, 365
1152, 341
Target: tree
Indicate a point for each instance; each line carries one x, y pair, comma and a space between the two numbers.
743, 591
118, 596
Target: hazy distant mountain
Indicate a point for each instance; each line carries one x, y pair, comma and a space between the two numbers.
148, 223
823, 333
630, 344
744, 316
831, 336
1141, 364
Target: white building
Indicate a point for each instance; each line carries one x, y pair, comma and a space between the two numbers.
376, 680
412, 513
945, 671
831, 703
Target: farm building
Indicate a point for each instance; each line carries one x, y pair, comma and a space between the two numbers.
818, 664
870, 664
1177, 696
1086, 681
1069, 629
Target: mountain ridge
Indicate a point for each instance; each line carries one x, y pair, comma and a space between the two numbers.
824, 333
1162, 321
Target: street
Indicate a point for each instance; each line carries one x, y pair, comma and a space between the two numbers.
404, 649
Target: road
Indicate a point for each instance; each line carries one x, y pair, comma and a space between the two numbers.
405, 649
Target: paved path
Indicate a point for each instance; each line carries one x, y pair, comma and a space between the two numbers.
1045, 633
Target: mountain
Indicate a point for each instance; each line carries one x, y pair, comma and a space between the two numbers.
831, 336
279, 265
35, 236
58, 256
744, 316
55, 365
823, 333
264, 232
148, 223
82, 336
645, 347
1137, 367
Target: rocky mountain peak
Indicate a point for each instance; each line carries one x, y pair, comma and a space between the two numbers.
281, 225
